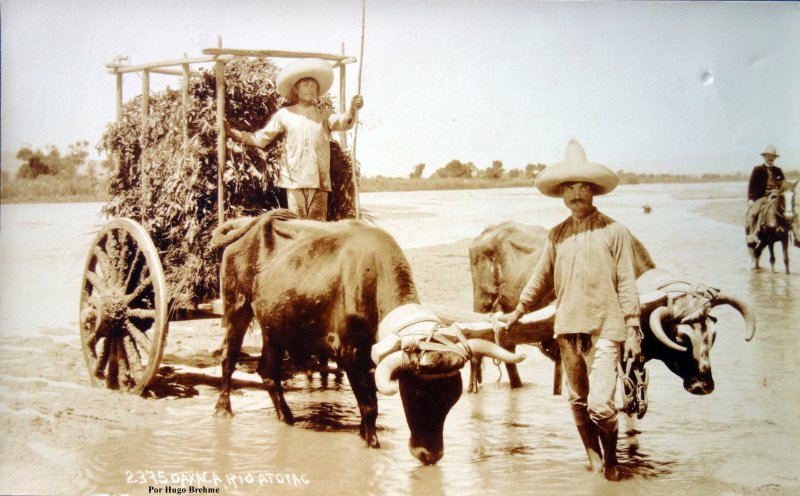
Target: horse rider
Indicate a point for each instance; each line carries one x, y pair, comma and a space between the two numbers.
765, 179
588, 260
305, 170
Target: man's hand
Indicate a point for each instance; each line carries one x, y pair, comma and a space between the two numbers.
510, 318
750, 202
633, 345
357, 103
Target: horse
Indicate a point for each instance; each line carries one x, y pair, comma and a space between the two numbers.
777, 223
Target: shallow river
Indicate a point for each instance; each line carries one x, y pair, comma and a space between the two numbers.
743, 438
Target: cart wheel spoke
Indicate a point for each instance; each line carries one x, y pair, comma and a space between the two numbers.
141, 339
97, 282
123, 307
134, 360
107, 266
142, 313
139, 290
125, 380
102, 360
112, 379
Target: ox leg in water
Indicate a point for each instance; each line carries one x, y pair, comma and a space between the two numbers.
367, 398
237, 326
269, 368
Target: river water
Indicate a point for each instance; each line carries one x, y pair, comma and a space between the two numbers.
741, 439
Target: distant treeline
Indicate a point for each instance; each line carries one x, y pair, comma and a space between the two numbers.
49, 176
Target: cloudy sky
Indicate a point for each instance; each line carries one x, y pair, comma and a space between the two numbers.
663, 87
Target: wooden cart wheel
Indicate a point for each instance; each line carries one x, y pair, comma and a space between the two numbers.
123, 308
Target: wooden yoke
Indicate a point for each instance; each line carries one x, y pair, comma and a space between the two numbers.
531, 329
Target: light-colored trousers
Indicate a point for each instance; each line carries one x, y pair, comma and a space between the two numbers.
591, 379
308, 203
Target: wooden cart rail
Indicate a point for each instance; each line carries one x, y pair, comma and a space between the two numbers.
218, 56
124, 309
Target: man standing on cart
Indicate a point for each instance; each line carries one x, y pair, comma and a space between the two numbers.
305, 169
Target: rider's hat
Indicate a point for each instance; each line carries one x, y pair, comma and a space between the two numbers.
317, 69
575, 168
770, 150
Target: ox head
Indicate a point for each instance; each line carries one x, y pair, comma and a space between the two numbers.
422, 359
682, 332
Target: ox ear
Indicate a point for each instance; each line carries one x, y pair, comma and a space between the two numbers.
231, 231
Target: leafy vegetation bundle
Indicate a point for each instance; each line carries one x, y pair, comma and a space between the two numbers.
174, 194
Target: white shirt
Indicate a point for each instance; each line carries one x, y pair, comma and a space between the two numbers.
306, 161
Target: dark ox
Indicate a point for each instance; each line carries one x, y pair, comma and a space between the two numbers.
323, 288
676, 321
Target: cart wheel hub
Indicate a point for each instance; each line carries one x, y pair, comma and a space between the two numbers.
113, 316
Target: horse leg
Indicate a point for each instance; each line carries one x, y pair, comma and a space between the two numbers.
753, 259
237, 321
269, 368
785, 246
771, 257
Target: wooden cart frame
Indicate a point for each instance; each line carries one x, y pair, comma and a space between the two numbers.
124, 314
124, 308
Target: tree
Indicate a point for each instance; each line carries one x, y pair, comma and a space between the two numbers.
417, 172
456, 169
532, 170
49, 162
495, 171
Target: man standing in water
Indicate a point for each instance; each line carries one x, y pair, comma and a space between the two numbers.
588, 260
305, 170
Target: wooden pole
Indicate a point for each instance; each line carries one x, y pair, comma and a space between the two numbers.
355, 132
143, 158
185, 109
219, 72
342, 98
119, 97
117, 158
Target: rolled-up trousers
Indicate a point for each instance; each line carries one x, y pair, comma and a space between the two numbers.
590, 366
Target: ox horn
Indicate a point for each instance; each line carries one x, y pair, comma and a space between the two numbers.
383, 347
656, 317
384, 372
492, 350
742, 308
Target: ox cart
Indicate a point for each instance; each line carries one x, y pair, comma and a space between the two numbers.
125, 305
125, 301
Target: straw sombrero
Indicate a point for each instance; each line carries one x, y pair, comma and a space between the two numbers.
318, 69
770, 150
575, 168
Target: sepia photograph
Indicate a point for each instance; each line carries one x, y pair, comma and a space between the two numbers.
381, 247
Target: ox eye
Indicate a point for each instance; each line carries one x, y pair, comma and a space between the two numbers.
712, 319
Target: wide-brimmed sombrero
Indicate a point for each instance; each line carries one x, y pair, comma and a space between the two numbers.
576, 168
770, 150
318, 69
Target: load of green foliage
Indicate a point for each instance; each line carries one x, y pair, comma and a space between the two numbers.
175, 195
